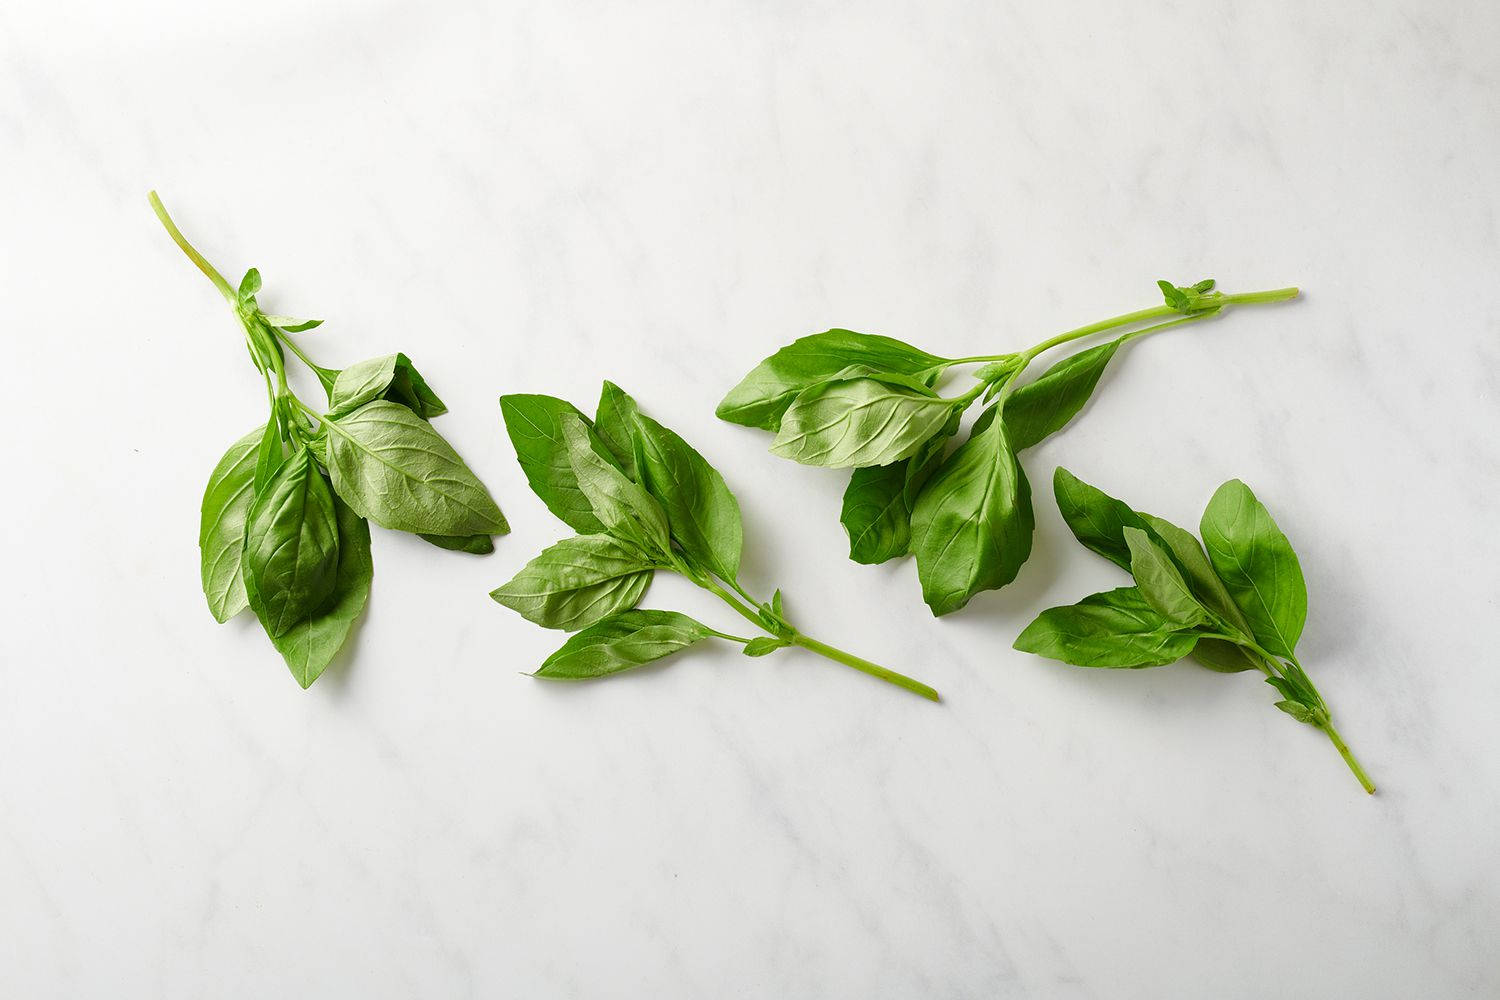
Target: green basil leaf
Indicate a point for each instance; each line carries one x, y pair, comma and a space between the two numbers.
1257, 564
577, 582
1298, 711
534, 424
479, 545
1114, 629
972, 523
290, 324
623, 507
702, 515
392, 467
854, 422
764, 395
391, 377
1044, 407
1224, 657
292, 543
269, 454
1097, 519
614, 422
1160, 581
879, 499
311, 644
620, 642
762, 645
221, 528
249, 285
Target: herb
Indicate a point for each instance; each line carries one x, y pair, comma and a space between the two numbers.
284, 529
642, 500
851, 400
1241, 606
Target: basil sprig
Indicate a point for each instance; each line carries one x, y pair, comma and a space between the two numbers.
842, 399
284, 527
642, 500
1239, 606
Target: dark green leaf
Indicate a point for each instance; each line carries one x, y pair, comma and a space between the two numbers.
577, 582
392, 467
855, 422
1097, 519
221, 529
764, 394
391, 377
310, 645
269, 455
1044, 407
972, 523
620, 642
622, 506
534, 424
879, 499
1257, 564
703, 516
1114, 629
292, 543
479, 545
1160, 581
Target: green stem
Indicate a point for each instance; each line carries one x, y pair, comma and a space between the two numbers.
822, 649
325, 375
187, 248
865, 666
1348, 755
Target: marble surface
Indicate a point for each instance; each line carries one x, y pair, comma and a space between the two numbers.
534, 197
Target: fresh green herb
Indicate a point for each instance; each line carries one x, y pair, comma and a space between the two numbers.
284, 528
1239, 607
851, 400
641, 499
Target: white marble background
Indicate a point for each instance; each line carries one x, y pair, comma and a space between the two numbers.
533, 197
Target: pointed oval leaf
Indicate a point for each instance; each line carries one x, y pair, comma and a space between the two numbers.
391, 377
221, 527
1043, 407
392, 467
1257, 564
764, 395
534, 423
479, 545
855, 422
972, 523
620, 642
623, 507
578, 581
1117, 628
292, 543
311, 644
1160, 581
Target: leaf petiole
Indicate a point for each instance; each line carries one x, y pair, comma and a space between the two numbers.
193, 255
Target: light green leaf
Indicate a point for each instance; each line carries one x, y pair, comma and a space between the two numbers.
311, 644
578, 581
763, 645
221, 528
620, 642
1114, 629
290, 324
534, 424
972, 523
623, 507
391, 377
1045, 406
856, 422
1161, 583
764, 394
1257, 564
292, 543
392, 467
